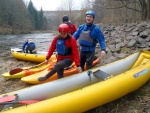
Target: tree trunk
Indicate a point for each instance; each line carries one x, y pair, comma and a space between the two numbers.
148, 9
143, 8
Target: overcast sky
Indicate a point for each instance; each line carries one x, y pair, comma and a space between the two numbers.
48, 5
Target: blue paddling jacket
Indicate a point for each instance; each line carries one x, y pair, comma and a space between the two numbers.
95, 34
27, 43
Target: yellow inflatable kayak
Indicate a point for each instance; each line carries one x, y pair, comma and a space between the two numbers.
83, 91
38, 57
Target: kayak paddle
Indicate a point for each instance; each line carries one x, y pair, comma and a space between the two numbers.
18, 70
14, 71
20, 102
7, 98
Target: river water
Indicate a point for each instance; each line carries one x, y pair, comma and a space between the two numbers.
42, 41
7, 62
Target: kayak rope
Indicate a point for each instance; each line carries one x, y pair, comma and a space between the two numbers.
89, 74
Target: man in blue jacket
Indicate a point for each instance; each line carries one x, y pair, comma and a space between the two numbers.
88, 36
29, 45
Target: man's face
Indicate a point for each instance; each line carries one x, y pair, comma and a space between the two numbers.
89, 19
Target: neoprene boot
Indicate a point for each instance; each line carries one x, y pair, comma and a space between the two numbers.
47, 76
42, 78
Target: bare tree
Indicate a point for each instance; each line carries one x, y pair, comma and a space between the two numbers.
85, 6
13, 14
122, 10
100, 12
145, 9
67, 7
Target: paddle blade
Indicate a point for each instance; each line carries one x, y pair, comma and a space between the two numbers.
7, 98
14, 71
20, 102
18, 70
28, 102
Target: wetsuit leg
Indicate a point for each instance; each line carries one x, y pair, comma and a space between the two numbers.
63, 64
82, 59
60, 73
90, 57
59, 68
31, 48
27, 49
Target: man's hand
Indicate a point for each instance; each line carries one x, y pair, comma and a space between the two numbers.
46, 61
103, 54
79, 69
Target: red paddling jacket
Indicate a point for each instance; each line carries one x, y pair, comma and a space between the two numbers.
66, 48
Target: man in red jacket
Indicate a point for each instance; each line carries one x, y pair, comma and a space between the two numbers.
66, 47
72, 26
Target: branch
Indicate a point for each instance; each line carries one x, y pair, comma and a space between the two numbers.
124, 5
129, 7
107, 7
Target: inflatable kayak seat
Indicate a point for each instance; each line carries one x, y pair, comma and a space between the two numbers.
101, 74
